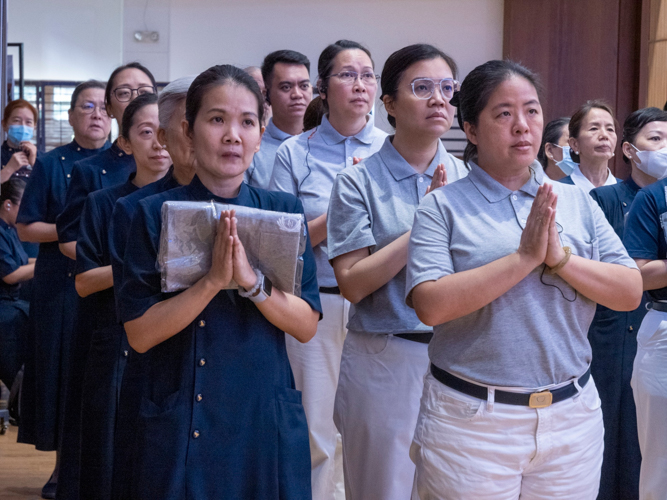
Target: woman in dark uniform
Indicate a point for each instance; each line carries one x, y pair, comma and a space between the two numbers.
110, 168
171, 108
51, 321
219, 414
105, 362
17, 153
14, 269
613, 334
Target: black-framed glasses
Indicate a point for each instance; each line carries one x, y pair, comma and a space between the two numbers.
349, 77
124, 94
88, 108
423, 88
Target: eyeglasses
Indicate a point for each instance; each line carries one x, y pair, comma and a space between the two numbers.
349, 77
124, 94
423, 88
89, 107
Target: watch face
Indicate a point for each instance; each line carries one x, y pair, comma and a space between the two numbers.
268, 286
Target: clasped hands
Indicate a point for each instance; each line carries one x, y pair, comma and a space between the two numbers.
540, 242
229, 259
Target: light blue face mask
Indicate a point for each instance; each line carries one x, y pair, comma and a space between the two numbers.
567, 164
16, 134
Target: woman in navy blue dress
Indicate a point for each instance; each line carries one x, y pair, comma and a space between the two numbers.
54, 296
107, 169
219, 416
105, 361
14, 269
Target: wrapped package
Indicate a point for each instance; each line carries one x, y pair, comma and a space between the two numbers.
274, 243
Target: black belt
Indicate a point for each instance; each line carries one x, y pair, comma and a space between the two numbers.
534, 400
659, 306
333, 290
422, 338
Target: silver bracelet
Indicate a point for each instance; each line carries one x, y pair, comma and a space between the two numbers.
253, 291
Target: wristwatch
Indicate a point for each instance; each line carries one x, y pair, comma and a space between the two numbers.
261, 291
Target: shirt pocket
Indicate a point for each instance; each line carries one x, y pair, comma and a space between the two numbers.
586, 247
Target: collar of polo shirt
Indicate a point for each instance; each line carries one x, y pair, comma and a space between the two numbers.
331, 136
494, 191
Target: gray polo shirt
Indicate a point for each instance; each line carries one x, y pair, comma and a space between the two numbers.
259, 171
536, 333
372, 204
306, 166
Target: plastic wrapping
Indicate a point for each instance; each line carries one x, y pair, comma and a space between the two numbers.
274, 243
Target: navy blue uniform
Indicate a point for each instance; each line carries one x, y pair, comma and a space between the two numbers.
105, 361
110, 168
107, 169
219, 415
613, 338
644, 236
6, 153
54, 299
128, 405
13, 311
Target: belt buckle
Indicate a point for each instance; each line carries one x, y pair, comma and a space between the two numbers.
540, 399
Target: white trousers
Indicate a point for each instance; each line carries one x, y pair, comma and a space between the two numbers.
465, 448
377, 402
316, 366
649, 386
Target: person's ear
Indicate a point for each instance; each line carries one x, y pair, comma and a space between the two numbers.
389, 105
548, 151
162, 137
69, 117
574, 145
125, 145
261, 134
630, 152
471, 132
187, 133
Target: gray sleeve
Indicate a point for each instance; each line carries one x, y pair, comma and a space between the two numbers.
610, 247
429, 256
348, 218
282, 178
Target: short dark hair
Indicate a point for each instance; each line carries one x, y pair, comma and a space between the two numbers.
479, 85
637, 120
325, 63
580, 114
216, 76
552, 132
281, 56
133, 65
12, 189
132, 109
399, 62
90, 84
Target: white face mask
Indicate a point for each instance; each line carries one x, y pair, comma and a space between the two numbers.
653, 163
567, 164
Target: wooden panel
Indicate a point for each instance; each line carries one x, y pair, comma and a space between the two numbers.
657, 65
586, 49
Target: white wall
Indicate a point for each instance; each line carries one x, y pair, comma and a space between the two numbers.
67, 39
208, 32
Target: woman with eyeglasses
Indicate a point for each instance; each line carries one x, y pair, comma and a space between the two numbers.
368, 226
306, 166
53, 293
107, 169
592, 142
508, 270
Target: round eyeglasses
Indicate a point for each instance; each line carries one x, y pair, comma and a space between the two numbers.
124, 94
88, 108
423, 88
349, 77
